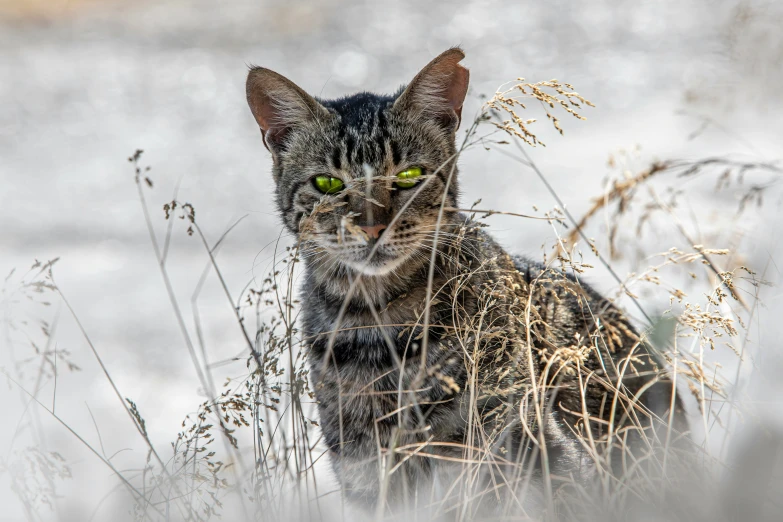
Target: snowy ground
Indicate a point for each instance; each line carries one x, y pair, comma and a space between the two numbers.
81, 90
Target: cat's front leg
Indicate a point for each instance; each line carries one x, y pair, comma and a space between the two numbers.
385, 481
359, 478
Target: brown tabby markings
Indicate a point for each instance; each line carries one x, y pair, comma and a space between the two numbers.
490, 315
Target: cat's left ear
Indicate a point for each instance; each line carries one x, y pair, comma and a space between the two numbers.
439, 90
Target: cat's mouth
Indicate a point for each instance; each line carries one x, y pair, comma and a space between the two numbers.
372, 253
370, 256
373, 260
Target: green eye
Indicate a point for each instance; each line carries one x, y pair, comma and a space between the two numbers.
407, 178
328, 184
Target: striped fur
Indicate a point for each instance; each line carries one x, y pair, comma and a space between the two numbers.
489, 315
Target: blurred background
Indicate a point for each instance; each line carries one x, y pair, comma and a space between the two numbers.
84, 83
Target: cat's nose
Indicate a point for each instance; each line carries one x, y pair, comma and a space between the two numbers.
374, 231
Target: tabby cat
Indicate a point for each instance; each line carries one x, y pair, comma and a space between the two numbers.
444, 367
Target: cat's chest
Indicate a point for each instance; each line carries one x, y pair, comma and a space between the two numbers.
364, 340
370, 337
369, 354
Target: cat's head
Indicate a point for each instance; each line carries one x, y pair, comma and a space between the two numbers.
375, 168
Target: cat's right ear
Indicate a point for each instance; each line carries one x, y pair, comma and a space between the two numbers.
279, 105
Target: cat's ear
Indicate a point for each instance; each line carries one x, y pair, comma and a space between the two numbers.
279, 105
439, 90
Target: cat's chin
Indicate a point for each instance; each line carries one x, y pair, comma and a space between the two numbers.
379, 266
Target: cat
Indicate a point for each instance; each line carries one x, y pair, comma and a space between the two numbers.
489, 374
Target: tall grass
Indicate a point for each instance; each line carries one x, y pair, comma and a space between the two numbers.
253, 450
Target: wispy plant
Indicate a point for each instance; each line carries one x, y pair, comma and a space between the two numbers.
254, 442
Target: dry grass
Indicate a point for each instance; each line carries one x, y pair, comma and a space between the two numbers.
255, 443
